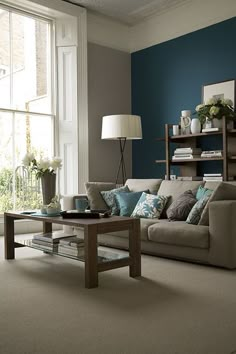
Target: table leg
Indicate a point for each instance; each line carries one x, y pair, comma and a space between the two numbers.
135, 249
9, 237
47, 227
91, 264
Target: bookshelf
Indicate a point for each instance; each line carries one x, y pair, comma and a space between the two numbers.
190, 167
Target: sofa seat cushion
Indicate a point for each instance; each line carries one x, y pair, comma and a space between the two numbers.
179, 233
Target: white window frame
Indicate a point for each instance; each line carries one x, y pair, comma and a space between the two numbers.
59, 12
51, 81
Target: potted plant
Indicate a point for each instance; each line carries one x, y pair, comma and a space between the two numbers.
215, 109
45, 169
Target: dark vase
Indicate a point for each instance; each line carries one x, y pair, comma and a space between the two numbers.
48, 182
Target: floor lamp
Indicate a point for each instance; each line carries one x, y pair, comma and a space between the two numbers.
121, 127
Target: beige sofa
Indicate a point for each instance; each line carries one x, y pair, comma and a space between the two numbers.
214, 244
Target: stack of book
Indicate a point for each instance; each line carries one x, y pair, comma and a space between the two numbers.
49, 241
213, 177
210, 130
213, 153
187, 153
72, 246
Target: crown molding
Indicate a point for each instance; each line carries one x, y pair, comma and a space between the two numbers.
183, 19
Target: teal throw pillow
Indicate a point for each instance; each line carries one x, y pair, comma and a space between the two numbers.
201, 192
127, 202
195, 214
150, 206
110, 198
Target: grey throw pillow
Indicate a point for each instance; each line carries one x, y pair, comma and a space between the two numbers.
182, 206
110, 198
93, 190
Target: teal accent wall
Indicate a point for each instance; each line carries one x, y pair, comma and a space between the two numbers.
168, 78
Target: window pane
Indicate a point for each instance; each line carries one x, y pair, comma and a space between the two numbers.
32, 134
19, 189
4, 59
6, 162
31, 68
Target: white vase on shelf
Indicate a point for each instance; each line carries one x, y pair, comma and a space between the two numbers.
195, 126
217, 123
230, 124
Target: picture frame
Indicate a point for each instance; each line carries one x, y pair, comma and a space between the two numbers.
222, 89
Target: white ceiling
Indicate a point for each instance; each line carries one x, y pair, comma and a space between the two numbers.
129, 11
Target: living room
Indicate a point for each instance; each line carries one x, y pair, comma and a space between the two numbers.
153, 67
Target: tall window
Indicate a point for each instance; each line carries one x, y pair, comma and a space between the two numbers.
26, 109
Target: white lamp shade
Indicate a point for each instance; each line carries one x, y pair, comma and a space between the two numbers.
121, 126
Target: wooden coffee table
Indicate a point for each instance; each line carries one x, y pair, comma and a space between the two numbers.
92, 227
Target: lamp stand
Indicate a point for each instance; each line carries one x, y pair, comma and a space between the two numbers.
121, 167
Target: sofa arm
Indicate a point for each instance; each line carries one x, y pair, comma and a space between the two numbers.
222, 229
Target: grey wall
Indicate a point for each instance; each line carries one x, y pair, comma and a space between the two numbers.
109, 92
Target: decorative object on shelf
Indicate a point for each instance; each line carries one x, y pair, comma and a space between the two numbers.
54, 207
45, 169
218, 101
121, 127
207, 124
217, 123
175, 129
195, 126
185, 122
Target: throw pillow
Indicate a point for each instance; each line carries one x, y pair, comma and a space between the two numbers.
202, 191
127, 202
149, 206
224, 191
110, 198
181, 207
196, 212
93, 190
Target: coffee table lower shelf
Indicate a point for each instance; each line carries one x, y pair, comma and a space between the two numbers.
103, 255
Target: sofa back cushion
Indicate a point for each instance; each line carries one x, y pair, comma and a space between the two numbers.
174, 189
137, 185
95, 198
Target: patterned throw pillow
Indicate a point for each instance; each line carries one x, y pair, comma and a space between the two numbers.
127, 202
110, 198
150, 206
201, 192
181, 207
195, 214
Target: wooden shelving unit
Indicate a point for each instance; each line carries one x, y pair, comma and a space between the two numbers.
189, 167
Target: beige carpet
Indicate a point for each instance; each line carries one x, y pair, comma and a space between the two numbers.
174, 308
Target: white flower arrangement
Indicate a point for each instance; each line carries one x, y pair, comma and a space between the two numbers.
43, 166
216, 108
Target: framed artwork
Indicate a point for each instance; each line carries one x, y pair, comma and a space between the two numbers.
223, 89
